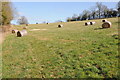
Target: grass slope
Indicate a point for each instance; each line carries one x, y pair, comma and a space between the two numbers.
74, 51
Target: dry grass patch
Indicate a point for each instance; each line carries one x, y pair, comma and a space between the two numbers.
38, 29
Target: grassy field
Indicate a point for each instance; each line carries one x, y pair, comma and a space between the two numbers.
74, 51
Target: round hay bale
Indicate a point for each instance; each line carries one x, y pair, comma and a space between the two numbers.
104, 20
14, 31
24, 27
91, 23
106, 24
60, 25
26, 24
87, 23
21, 33
47, 23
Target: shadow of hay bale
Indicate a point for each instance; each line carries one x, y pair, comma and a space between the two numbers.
98, 28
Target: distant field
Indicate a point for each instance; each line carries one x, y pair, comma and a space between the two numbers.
74, 51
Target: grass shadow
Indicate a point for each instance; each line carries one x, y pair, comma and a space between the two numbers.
99, 28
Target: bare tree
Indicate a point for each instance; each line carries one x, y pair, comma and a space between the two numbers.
99, 6
118, 5
85, 14
104, 10
118, 8
93, 11
73, 18
112, 13
22, 20
79, 17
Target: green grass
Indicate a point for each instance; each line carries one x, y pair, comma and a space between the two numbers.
74, 51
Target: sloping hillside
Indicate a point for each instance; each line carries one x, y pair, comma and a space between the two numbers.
74, 51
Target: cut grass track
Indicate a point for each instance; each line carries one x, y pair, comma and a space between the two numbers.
74, 51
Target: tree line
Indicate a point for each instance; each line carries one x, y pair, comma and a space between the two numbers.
8, 13
96, 12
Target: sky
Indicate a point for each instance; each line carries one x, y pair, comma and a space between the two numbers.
53, 11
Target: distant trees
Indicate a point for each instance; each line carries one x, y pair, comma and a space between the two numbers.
118, 8
22, 20
93, 12
114, 13
79, 18
7, 12
69, 19
99, 6
85, 15
74, 17
118, 5
104, 11
97, 11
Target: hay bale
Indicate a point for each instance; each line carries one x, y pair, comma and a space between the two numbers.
106, 24
87, 23
26, 24
14, 31
21, 33
91, 23
104, 20
60, 25
47, 23
24, 27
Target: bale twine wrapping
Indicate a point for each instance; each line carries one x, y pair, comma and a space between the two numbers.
60, 25
14, 31
87, 23
106, 24
91, 23
21, 33
104, 20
